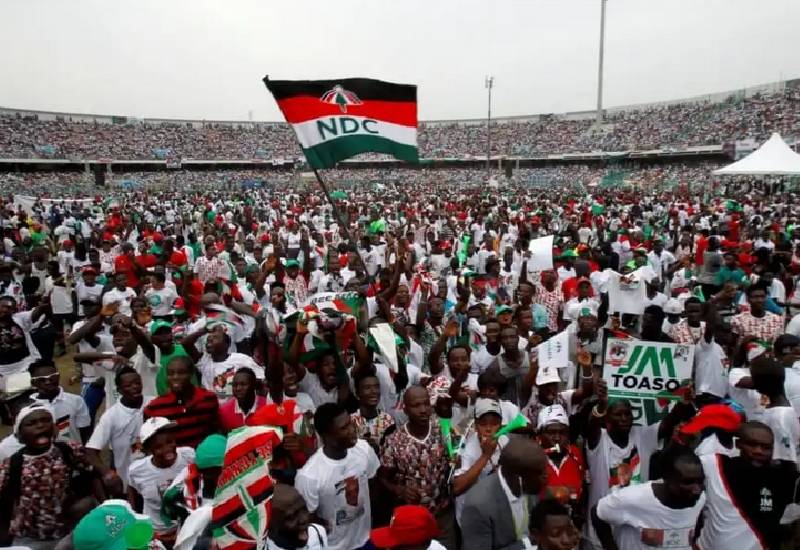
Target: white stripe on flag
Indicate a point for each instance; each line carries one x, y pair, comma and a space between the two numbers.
314, 132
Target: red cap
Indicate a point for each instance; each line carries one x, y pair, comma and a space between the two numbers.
68, 242
274, 414
158, 237
264, 238
89, 269
178, 258
714, 416
411, 524
583, 280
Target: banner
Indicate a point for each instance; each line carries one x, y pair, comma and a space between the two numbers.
541, 254
648, 374
555, 351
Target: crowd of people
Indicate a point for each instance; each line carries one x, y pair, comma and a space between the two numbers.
671, 126
412, 370
60, 184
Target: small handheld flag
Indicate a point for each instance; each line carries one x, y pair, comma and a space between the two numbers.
338, 119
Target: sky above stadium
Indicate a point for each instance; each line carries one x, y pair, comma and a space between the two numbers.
206, 58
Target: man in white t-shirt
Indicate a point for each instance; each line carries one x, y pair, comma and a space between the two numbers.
656, 514
618, 453
217, 365
120, 294
161, 296
335, 480
118, 427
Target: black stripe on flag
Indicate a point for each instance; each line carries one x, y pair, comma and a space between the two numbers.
365, 88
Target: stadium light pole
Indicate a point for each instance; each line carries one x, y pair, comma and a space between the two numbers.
599, 119
489, 83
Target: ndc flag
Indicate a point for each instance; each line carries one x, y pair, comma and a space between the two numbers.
337, 119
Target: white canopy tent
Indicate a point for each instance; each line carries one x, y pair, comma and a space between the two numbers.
773, 158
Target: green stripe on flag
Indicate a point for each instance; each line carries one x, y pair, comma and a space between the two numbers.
327, 154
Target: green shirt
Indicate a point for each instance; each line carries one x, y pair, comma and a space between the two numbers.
726, 274
161, 376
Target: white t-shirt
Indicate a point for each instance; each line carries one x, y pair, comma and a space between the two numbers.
711, 366
60, 297
785, 431
218, 377
152, 483
750, 400
71, 414
628, 297
317, 539
338, 491
119, 428
146, 369
311, 385
124, 298
640, 520
724, 526
84, 292
161, 300
606, 459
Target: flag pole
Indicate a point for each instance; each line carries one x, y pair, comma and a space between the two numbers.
341, 223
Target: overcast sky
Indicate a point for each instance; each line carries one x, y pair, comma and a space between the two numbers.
206, 58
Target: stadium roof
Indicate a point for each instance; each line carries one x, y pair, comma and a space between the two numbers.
774, 157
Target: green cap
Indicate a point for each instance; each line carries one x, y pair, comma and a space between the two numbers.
158, 324
211, 452
112, 526
292, 263
502, 309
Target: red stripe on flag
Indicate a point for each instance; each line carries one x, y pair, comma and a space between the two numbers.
302, 108
249, 445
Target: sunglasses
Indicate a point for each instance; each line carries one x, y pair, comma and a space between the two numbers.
54, 376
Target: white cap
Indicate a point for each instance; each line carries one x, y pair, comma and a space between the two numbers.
552, 414
152, 425
30, 409
484, 405
547, 375
583, 308
673, 306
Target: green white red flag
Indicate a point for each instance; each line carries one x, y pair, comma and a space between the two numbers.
338, 119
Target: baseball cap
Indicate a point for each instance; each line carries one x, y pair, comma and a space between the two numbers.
410, 524
89, 269
502, 309
582, 280
113, 526
722, 417
158, 324
547, 375
552, 415
292, 263
153, 425
673, 307
484, 405
211, 452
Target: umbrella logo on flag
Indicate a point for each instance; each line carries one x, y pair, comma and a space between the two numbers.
341, 97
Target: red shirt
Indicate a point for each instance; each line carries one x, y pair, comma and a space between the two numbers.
699, 250
195, 418
124, 264
232, 417
569, 474
146, 261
